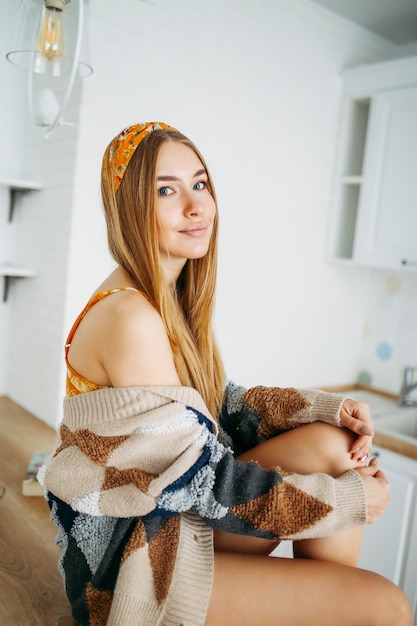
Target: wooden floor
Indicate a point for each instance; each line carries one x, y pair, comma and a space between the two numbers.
31, 588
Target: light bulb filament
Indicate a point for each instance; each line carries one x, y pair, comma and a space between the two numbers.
51, 43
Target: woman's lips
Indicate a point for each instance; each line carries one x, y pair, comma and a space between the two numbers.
195, 231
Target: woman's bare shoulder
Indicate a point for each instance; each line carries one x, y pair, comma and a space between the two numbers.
122, 342
136, 350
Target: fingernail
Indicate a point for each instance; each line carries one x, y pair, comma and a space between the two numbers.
365, 431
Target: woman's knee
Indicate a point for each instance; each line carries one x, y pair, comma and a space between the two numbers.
403, 610
395, 607
316, 447
332, 447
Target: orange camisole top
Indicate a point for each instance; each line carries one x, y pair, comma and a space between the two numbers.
75, 383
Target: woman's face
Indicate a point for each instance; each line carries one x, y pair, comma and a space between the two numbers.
185, 207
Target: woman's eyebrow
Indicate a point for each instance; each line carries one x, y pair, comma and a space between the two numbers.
166, 178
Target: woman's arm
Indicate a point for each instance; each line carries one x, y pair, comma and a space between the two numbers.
130, 450
250, 416
127, 452
243, 498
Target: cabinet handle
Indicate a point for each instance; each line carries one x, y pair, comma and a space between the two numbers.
408, 262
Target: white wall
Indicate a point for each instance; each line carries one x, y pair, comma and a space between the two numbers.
43, 236
31, 322
12, 116
390, 331
256, 86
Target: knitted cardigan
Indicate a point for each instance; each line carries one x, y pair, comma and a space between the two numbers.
141, 476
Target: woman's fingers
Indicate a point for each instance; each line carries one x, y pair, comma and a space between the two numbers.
376, 490
356, 417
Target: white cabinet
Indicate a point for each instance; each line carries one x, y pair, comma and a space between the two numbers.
410, 572
390, 545
374, 213
387, 225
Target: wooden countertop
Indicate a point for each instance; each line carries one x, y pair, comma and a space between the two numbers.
395, 445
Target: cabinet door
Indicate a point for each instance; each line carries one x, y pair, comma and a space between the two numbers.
385, 543
387, 224
410, 573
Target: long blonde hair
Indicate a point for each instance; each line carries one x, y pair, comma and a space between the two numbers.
131, 218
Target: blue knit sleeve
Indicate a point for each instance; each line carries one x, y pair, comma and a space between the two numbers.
238, 420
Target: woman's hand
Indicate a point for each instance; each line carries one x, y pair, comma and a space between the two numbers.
356, 417
376, 490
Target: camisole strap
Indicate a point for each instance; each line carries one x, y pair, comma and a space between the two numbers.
75, 383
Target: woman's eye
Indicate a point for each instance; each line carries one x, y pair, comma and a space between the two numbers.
164, 191
200, 185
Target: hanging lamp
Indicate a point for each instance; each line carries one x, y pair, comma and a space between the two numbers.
50, 44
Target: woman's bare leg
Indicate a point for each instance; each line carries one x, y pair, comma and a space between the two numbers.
250, 590
319, 448
313, 448
320, 589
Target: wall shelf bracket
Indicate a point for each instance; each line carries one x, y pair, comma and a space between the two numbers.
8, 272
12, 202
6, 288
17, 187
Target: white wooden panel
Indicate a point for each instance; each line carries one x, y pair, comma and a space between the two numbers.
387, 230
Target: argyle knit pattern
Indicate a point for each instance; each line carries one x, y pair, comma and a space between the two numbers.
140, 477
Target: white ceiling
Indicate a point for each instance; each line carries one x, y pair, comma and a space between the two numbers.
395, 20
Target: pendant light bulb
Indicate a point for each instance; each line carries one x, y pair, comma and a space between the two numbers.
51, 40
53, 62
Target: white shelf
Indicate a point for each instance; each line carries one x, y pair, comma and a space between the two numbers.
17, 272
351, 180
13, 271
19, 184
16, 186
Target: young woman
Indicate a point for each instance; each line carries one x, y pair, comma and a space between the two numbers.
170, 486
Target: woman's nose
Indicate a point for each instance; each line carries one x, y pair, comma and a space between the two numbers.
193, 205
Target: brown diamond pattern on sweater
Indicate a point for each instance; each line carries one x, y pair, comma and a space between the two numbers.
162, 553
274, 405
98, 604
137, 540
117, 478
96, 447
285, 509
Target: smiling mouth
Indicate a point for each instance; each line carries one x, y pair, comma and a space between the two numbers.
197, 231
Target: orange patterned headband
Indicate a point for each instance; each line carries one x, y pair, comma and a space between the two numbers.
121, 149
